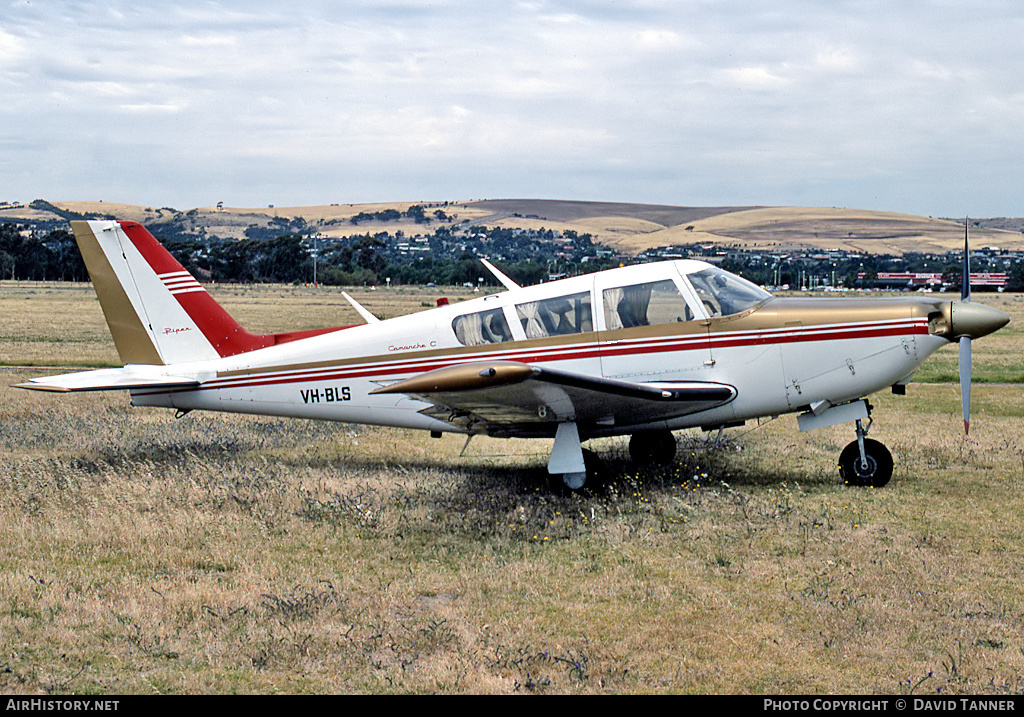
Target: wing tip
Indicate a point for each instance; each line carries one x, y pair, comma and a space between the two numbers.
34, 386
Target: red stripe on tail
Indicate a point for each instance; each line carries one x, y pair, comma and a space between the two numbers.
225, 334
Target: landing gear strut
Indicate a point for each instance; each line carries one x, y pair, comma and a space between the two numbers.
865, 462
570, 461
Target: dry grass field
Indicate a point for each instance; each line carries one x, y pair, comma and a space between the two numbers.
224, 554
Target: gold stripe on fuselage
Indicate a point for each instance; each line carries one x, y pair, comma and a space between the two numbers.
779, 313
776, 313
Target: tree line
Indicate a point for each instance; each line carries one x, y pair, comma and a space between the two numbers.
365, 261
28, 254
52, 256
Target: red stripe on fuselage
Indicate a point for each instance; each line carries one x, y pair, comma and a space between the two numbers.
397, 368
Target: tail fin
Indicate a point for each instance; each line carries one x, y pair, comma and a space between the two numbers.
157, 312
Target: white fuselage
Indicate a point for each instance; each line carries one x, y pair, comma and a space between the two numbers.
781, 355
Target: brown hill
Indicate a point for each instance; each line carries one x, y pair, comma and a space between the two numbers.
628, 227
632, 228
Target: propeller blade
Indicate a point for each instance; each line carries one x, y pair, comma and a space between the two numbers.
965, 381
965, 341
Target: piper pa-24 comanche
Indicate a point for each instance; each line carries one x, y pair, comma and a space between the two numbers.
640, 350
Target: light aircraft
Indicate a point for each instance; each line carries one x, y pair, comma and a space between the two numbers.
640, 350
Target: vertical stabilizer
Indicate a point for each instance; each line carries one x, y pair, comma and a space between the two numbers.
157, 312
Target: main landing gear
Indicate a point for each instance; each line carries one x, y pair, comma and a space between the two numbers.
657, 448
593, 472
577, 467
865, 462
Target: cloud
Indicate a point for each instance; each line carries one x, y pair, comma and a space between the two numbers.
151, 108
754, 78
692, 102
12, 48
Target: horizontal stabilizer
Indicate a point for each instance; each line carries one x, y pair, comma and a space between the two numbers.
107, 379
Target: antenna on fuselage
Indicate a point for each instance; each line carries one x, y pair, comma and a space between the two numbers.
361, 310
506, 282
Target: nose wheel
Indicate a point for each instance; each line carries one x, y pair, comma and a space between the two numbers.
865, 462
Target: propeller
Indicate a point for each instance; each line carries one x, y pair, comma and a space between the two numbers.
968, 321
965, 341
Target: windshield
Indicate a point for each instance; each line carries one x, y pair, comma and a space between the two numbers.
723, 293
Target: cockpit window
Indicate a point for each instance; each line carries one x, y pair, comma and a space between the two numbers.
723, 293
657, 302
556, 317
484, 327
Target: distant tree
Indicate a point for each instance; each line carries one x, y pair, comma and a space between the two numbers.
1015, 282
416, 213
7, 264
526, 273
282, 259
64, 258
952, 275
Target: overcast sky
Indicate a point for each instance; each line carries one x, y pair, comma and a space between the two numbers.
909, 105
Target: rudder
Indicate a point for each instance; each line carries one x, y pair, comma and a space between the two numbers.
157, 312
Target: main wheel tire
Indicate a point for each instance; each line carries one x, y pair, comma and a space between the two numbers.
574, 481
652, 448
595, 473
875, 474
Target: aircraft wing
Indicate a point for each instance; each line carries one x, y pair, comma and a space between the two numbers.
513, 398
112, 379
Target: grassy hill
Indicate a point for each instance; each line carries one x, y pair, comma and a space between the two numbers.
629, 228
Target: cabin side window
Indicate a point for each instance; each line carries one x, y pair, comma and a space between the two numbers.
656, 302
724, 294
556, 317
484, 327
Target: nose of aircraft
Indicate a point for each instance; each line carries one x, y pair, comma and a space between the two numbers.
975, 320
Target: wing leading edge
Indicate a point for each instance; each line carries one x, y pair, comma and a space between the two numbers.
111, 379
512, 398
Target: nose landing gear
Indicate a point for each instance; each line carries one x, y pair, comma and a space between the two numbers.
865, 462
